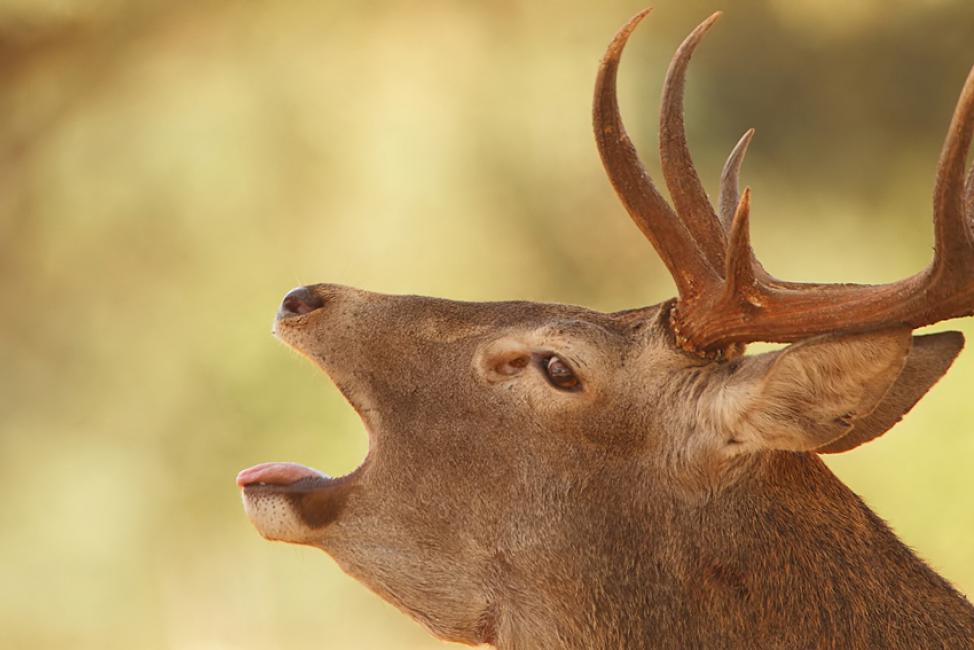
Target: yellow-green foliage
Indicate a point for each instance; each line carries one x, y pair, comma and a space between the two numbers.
169, 169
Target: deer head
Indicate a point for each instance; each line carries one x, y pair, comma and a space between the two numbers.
544, 475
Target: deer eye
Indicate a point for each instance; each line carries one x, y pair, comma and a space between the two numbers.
560, 375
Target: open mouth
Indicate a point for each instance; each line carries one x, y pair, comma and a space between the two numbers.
295, 479
292, 502
289, 501
292, 477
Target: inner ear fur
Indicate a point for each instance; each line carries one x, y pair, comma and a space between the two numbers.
812, 393
930, 357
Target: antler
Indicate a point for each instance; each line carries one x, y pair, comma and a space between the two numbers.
725, 295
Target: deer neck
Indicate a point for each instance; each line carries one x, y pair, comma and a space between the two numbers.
789, 557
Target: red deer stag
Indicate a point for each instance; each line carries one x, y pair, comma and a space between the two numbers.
544, 476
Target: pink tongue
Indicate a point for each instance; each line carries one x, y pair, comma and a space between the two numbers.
275, 474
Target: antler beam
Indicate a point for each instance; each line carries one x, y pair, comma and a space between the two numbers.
725, 295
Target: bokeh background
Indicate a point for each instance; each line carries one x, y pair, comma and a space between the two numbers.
170, 168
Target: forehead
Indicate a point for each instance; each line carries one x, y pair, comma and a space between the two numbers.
450, 319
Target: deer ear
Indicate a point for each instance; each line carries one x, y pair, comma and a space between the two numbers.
812, 393
930, 358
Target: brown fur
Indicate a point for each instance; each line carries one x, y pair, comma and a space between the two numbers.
665, 500
647, 510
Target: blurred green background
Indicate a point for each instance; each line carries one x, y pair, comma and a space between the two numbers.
169, 169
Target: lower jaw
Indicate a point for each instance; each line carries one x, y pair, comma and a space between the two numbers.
309, 503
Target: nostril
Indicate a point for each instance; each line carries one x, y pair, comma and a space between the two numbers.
301, 301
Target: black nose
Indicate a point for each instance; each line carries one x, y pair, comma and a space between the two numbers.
301, 301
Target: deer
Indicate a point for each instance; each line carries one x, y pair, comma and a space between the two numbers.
545, 476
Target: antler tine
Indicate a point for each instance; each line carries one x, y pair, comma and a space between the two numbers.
729, 180
648, 209
729, 200
686, 190
742, 272
739, 273
952, 235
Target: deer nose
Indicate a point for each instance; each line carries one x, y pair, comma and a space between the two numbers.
300, 301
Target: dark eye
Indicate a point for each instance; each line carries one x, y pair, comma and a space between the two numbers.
560, 375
